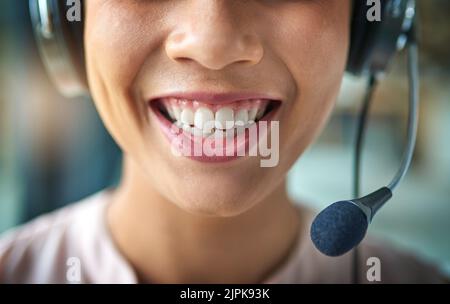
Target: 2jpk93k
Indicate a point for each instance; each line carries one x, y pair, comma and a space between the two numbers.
246, 293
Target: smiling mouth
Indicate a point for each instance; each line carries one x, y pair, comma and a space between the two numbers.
203, 118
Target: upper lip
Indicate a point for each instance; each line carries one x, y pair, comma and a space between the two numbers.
217, 98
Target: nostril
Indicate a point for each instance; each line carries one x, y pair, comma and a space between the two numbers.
183, 59
245, 62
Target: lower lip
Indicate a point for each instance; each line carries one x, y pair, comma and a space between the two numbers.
240, 142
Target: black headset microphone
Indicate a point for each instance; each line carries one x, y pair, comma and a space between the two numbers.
342, 225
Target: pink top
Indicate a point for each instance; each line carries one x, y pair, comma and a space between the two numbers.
73, 245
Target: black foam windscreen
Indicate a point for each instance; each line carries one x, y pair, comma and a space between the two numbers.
339, 228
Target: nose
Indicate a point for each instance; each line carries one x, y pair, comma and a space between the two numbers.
211, 35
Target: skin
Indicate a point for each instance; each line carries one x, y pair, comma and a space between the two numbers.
182, 221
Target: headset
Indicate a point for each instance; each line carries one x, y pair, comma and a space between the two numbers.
342, 225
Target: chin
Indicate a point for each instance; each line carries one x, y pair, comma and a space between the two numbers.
215, 200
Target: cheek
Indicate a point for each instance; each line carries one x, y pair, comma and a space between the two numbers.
118, 40
314, 49
113, 44
121, 35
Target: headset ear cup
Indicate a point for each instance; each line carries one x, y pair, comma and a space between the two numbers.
362, 38
357, 30
374, 44
75, 42
60, 43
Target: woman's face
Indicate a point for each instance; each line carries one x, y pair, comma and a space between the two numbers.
221, 58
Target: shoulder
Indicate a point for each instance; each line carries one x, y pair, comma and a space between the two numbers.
38, 250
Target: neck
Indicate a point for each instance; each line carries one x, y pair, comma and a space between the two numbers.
166, 244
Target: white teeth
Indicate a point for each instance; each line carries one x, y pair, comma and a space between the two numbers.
188, 128
260, 113
219, 134
170, 112
187, 117
176, 113
183, 126
204, 119
204, 122
252, 114
224, 118
241, 117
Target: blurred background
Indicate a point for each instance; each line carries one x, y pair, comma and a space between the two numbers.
47, 161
